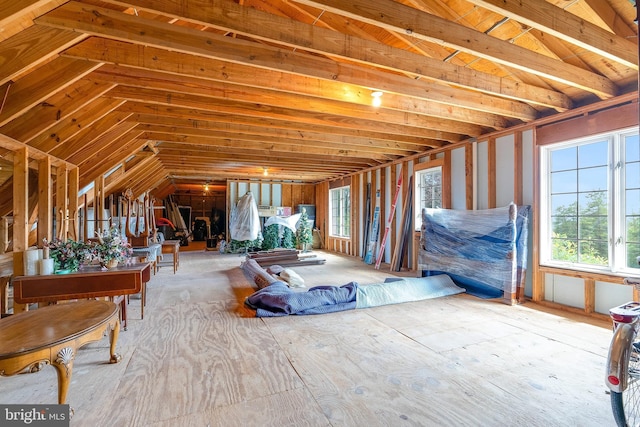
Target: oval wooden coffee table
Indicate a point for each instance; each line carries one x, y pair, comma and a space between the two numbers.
52, 335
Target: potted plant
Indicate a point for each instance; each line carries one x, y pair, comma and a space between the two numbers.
303, 232
67, 255
111, 248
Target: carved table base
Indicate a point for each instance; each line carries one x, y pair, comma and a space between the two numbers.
52, 335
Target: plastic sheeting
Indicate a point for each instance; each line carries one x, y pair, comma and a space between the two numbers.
290, 222
244, 223
484, 251
399, 290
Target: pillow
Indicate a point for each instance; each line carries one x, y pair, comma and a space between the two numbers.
292, 278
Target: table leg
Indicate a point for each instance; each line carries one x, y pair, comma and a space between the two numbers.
123, 312
4, 295
64, 366
113, 340
143, 299
175, 261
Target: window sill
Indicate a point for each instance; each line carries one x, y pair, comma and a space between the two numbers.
584, 274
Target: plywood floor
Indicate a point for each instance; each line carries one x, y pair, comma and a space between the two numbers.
198, 359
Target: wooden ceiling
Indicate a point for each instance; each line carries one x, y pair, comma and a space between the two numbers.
155, 93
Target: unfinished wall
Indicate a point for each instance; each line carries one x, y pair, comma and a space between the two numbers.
490, 172
268, 194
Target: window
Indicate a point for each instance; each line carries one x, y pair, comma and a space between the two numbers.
428, 191
340, 207
590, 200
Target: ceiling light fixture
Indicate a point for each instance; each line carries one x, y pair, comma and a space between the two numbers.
377, 98
265, 172
206, 187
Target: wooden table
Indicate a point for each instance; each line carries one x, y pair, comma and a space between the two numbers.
52, 335
90, 282
172, 247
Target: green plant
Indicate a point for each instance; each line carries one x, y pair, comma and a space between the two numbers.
288, 238
68, 254
303, 232
237, 246
271, 239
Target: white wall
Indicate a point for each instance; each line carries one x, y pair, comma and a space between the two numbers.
505, 167
458, 179
482, 175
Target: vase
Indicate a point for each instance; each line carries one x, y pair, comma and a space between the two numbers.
63, 271
112, 263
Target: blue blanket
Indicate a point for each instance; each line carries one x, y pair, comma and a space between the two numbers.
278, 300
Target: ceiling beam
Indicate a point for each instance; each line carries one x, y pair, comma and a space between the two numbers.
393, 16
553, 20
229, 16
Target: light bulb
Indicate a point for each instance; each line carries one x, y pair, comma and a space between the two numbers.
377, 98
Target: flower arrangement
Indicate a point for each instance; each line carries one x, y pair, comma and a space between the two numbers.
66, 255
110, 246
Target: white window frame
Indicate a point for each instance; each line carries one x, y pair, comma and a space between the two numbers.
616, 219
340, 210
421, 169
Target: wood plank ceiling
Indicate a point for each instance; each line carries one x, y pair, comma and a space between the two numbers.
155, 93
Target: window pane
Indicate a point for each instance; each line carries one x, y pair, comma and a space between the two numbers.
428, 192
632, 175
632, 240
593, 179
346, 212
340, 205
593, 228
564, 205
430, 188
632, 202
564, 250
335, 212
565, 227
633, 251
591, 252
585, 182
594, 154
564, 182
579, 203
633, 230
632, 148
594, 203
564, 159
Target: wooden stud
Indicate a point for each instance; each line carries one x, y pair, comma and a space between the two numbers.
468, 175
20, 213
446, 181
517, 173
62, 203
73, 227
589, 296
4, 234
45, 200
98, 204
393, 229
382, 219
537, 282
354, 193
491, 167
405, 188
